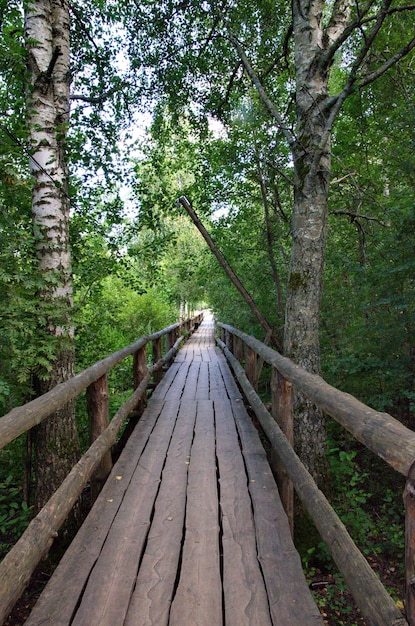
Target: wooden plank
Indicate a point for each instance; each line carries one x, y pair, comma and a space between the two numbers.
290, 600
60, 597
198, 599
229, 381
107, 593
202, 391
245, 596
283, 412
150, 603
216, 385
171, 387
97, 403
189, 391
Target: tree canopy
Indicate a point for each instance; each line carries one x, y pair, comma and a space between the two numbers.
289, 127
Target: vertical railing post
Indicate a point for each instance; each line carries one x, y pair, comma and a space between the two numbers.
251, 366
170, 339
409, 499
158, 375
282, 411
229, 341
238, 347
97, 403
139, 371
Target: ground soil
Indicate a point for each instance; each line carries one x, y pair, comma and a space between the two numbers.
335, 601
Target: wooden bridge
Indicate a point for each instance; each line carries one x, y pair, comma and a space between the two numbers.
189, 529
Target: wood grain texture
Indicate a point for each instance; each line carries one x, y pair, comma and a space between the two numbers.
245, 596
231, 388
60, 597
150, 602
189, 391
290, 599
202, 391
111, 581
198, 598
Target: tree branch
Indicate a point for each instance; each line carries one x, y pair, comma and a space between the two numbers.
369, 78
260, 89
327, 57
100, 98
229, 271
56, 54
358, 216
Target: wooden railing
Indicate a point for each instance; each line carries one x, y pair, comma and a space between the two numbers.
380, 432
95, 464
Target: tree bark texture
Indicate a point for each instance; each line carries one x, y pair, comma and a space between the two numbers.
47, 42
311, 153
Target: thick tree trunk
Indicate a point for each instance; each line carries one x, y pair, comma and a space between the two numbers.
47, 37
309, 224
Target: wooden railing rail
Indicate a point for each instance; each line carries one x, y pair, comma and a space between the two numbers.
376, 605
19, 564
23, 418
380, 432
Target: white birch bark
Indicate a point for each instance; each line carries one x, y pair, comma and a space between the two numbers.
47, 41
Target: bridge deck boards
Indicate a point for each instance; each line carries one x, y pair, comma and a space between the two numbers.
189, 529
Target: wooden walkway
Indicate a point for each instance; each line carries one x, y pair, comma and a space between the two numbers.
189, 529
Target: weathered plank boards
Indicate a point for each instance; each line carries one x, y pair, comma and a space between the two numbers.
188, 529
289, 600
58, 601
151, 599
244, 588
198, 599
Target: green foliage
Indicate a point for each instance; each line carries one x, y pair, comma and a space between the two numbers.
15, 514
367, 496
351, 492
116, 316
25, 350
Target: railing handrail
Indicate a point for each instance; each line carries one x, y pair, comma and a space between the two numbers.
380, 432
18, 565
366, 424
23, 418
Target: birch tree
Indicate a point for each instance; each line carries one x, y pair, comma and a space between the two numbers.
47, 43
286, 52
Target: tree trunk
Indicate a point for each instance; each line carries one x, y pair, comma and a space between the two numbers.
47, 42
309, 224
